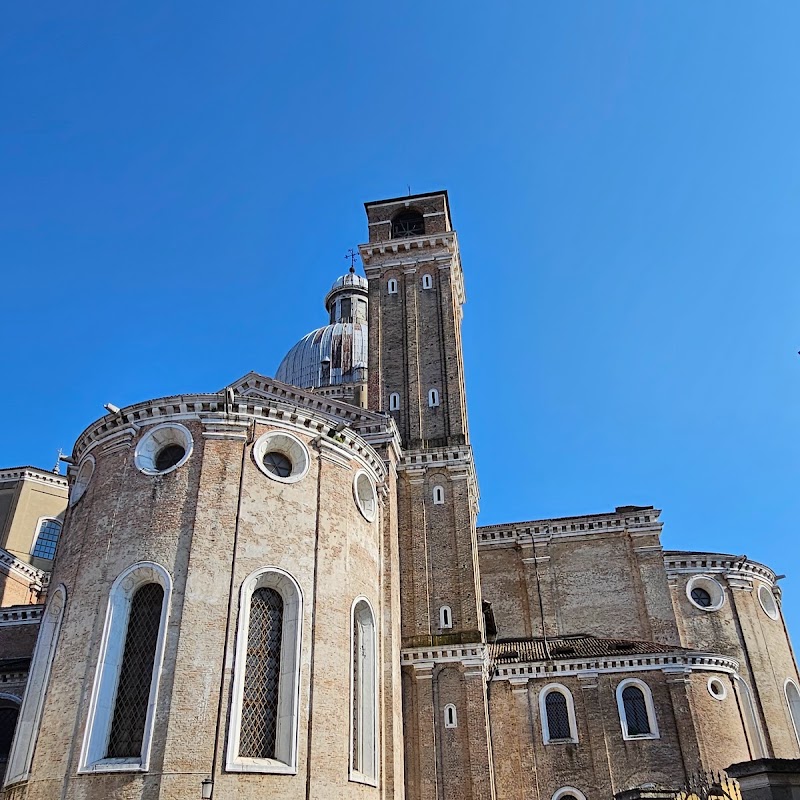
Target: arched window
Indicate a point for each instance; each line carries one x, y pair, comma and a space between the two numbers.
752, 727
392, 285
408, 223
47, 534
427, 281
438, 495
30, 714
364, 694
266, 678
636, 712
450, 716
557, 711
569, 793
445, 617
793, 701
9, 712
123, 702
394, 401
433, 398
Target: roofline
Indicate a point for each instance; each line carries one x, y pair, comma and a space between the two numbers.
391, 200
620, 511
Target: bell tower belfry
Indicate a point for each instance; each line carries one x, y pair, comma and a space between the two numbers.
416, 374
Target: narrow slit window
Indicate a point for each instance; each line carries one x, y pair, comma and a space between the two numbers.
450, 716
394, 401
445, 617
392, 285
438, 495
427, 282
433, 398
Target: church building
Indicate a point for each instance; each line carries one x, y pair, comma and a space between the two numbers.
279, 589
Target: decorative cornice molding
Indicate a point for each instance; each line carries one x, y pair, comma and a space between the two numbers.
13, 616
739, 570
424, 658
10, 563
15, 474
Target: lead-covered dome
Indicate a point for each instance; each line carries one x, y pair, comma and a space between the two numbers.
335, 355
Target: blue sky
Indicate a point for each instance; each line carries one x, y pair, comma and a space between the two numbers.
180, 182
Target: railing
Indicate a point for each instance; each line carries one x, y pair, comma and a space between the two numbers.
710, 786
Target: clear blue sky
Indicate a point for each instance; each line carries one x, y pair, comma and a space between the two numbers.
180, 182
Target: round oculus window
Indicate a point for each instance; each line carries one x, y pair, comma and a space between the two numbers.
163, 449
85, 472
705, 593
281, 456
716, 688
365, 495
767, 600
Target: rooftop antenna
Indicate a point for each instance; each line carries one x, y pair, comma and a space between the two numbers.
351, 254
408, 186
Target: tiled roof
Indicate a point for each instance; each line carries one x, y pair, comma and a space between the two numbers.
570, 647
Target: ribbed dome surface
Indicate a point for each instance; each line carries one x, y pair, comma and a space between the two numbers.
328, 356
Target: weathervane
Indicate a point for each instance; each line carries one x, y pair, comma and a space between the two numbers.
352, 255
57, 467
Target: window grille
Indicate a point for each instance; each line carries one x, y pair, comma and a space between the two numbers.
358, 677
136, 673
557, 716
635, 711
47, 539
262, 675
408, 223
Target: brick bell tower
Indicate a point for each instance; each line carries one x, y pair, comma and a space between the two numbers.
416, 373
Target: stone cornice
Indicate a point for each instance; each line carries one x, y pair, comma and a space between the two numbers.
14, 474
457, 461
663, 662
21, 615
679, 562
10, 563
425, 658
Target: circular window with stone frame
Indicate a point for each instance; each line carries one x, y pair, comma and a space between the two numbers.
85, 472
767, 601
716, 688
705, 593
281, 456
365, 495
163, 449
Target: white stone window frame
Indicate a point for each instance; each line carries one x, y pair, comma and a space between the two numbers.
713, 587
288, 445
753, 731
285, 761
391, 286
445, 617
427, 281
394, 401
30, 714
720, 694
433, 398
368, 724
793, 704
438, 495
573, 724
770, 606
82, 480
648, 702
39, 524
145, 454
369, 510
109, 663
565, 791
450, 715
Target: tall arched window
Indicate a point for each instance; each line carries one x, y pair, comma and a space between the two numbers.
450, 716
364, 694
636, 713
752, 726
557, 711
394, 401
47, 534
30, 714
266, 679
123, 703
9, 712
793, 701
408, 223
433, 398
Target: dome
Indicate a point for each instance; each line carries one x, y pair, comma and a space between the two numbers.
336, 354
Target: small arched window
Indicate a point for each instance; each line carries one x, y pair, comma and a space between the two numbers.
569, 793
394, 401
793, 701
392, 286
445, 617
122, 707
364, 693
557, 711
46, 538
427, 281
636, 712
450, 716
433, 398
438, 495
408, 223
263, 727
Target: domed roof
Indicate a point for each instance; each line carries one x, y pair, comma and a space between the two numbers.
336, 354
